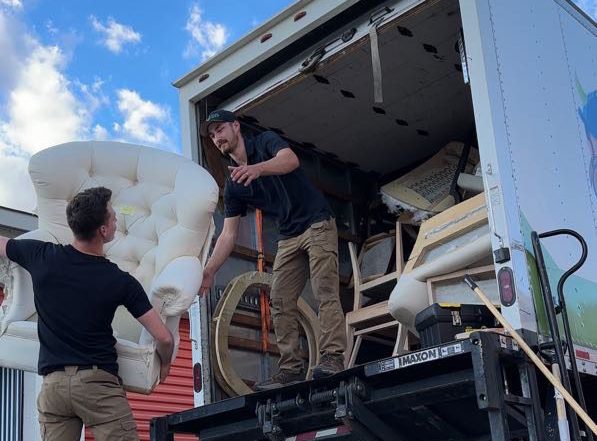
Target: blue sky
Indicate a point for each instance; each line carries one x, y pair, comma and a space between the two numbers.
82, 69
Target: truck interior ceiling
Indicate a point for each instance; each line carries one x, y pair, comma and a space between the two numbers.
426, 102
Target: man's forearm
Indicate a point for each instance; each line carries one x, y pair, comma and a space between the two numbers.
165, 350
3, 242
223, 249
281, 164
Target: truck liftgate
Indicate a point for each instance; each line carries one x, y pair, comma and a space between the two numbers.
482, 388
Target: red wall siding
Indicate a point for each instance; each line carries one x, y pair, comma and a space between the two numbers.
174, 395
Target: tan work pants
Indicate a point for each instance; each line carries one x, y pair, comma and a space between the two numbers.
94, 397
314, 251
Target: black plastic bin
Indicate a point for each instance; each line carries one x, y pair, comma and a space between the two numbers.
439, 323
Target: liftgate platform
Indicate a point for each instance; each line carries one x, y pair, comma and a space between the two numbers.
481, 388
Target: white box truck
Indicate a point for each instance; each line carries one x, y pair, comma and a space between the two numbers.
382, 86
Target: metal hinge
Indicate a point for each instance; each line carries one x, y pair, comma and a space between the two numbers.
378, 16
312, 60
463, 60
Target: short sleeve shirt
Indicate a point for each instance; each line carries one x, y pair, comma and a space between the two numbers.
76, 296
291, 197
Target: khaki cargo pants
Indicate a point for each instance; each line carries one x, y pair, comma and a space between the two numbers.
316, 252
94, 397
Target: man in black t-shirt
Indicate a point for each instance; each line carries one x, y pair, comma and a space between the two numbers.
267, 176
76, 293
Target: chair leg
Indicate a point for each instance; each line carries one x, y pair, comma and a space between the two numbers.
349, 344
401, 345
355, 351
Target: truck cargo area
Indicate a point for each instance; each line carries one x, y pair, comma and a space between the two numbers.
350, 146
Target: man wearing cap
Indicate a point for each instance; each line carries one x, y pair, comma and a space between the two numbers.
267, 175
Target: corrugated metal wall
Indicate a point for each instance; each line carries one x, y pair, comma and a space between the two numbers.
11, 404
174, 395
11, 401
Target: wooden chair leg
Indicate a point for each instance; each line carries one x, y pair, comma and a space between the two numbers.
401, 345
355, 351
349, 344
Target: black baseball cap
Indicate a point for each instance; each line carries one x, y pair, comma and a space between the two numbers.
219, 115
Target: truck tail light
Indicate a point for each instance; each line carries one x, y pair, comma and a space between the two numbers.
197, 378
506, 286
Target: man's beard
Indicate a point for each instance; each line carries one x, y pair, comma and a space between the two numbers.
226, 147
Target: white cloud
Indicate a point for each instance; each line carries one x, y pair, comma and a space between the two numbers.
52, 30
207, 37
93, 95
40, 107
142, 119
99, 133
115, 35
16, 4
42, 110
16, 190
10, 48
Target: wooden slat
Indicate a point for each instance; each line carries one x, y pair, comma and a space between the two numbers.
369, 312
377, 327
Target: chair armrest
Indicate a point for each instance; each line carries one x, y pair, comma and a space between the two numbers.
173, 291
18, 304
409, 296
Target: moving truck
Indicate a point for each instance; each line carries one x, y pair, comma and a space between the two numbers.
477, 122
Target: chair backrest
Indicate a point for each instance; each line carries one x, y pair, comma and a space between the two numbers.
164, 204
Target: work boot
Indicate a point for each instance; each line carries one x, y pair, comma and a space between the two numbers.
283, 378
329, 364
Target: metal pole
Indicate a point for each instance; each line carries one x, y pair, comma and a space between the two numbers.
553, 324
567, 333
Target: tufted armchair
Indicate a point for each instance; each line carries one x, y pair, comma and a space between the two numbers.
164, 205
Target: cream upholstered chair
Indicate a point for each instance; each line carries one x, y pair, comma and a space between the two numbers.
164, 205
454, 240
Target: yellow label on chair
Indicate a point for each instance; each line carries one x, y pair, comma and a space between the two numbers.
127, 210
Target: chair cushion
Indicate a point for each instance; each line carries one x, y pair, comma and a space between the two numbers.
139, 365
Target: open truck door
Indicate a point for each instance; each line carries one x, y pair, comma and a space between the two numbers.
532, 71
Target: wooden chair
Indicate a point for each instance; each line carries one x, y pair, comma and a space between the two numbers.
364, 321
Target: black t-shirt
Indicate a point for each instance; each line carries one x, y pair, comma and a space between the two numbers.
76, 296
291, 198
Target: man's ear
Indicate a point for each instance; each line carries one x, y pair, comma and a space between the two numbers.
236, 125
